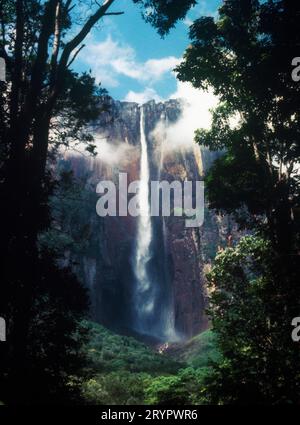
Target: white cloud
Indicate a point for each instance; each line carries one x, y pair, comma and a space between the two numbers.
116, 153
108, 152
143, 96
101, 55
110, 59
156, 68
197, 105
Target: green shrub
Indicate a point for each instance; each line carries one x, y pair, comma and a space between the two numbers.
181, 389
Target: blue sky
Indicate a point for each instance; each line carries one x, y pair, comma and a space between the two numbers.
131, 60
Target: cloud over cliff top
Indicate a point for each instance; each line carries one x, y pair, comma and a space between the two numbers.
196, 113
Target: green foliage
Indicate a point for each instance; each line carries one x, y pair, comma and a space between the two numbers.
245, 56
80, 103
115, 388
56, 336
252, 324
205, 350
108, 352
121, 370
198, 352
163, 15
72, 205
182, 389
236, 179
45, 105
188, 385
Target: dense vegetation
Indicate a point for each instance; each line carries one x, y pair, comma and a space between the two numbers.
122, 370
53, 356
44, 105
245, 55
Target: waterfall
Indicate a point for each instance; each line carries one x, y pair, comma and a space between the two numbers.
144, 290
154, 315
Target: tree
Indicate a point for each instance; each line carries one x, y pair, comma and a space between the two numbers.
245, 55
181, 389
253, 326
45, 104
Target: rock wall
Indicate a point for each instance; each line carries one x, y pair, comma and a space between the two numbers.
182, 253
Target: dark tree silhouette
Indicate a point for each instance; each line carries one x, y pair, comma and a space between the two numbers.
246, 55
44, 104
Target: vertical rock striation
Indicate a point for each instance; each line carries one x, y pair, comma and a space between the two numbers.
180, 255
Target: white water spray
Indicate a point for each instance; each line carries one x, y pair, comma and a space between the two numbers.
152, 319
145, 298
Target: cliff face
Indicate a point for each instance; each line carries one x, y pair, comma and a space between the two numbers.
180, 255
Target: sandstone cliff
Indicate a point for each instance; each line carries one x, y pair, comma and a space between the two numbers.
180, 255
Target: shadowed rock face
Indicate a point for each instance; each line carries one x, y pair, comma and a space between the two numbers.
180, 255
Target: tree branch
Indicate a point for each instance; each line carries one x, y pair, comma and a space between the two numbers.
114, 13
75, 55
68, 4
56, 42
37, 76
71, 45
18, 65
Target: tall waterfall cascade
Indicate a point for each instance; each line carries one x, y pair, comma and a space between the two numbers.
144, 292
154, 317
